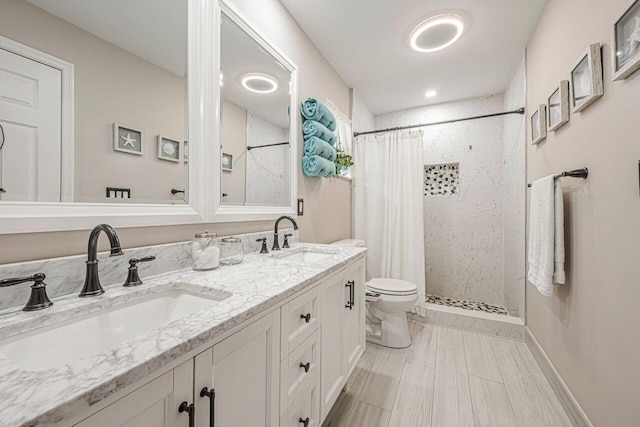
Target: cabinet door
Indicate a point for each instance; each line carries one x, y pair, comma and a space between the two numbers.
354, 335
154, 404
332, 369
245, 377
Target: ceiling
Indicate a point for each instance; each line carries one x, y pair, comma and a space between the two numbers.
366, 41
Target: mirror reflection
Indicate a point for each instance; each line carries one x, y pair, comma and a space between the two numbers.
255, 122
126, 141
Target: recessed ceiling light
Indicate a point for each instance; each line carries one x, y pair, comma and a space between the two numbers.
436, 33
259, 83
430, 93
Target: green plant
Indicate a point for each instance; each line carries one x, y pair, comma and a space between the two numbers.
343, 161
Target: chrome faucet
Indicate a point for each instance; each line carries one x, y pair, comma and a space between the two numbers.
276, 245
92, 286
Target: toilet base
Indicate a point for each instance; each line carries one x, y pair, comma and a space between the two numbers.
394, 331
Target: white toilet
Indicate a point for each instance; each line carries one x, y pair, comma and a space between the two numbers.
387, 303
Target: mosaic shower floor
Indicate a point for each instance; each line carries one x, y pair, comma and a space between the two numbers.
467, 305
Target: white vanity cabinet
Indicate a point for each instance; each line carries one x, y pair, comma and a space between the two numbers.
153, 404
285, 368
343, 337
244, 371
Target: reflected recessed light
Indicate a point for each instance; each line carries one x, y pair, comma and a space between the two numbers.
430, 93
436, 33
259, 83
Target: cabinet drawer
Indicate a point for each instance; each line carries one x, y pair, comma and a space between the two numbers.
306, 406
300, 318
293, 377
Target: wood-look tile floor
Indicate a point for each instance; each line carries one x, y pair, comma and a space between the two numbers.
448, 378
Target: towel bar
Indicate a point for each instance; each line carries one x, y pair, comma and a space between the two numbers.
576, 173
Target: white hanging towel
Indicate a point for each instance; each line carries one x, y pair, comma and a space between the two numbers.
546, 235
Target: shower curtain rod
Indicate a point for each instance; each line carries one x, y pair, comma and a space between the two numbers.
485, 116
250, 147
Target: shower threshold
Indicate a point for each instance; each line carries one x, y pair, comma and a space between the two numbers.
467, 304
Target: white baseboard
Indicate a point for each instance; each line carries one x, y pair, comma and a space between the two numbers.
569, 403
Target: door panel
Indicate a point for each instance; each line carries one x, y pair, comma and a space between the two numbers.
354, 336
31, 117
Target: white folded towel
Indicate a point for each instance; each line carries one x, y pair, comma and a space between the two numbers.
546, 235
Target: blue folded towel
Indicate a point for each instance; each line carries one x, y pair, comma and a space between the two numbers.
312, 109
312, 128
314, 146
318, 166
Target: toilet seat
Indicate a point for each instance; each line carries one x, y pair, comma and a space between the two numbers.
392, 287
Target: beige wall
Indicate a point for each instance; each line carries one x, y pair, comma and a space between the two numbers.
111, 86
327, 214
589, 328
234, 142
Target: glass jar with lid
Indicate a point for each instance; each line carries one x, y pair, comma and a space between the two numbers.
205, 251
231, 250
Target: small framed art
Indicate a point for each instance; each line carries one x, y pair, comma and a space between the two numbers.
127, 140
586, 79
227, 162
558, 106
539, 125
168, 149
626, 42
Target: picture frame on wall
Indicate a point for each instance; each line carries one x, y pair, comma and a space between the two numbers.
227, 162
168, 149
625, 52
185, 152
128, 140
539, 125
558, 106
586, 79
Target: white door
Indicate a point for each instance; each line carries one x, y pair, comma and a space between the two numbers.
245, 377
354, 335
332, 368
154, 404
31, 117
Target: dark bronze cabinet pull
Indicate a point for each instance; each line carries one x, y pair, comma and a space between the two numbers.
189, 409
351, 285
304, 422
306, 317
306, 366
211, 394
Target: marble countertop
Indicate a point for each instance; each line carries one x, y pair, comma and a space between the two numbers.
247, 289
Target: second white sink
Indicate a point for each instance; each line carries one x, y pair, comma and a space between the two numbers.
91, 334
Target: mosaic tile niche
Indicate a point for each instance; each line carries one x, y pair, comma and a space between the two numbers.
442, 180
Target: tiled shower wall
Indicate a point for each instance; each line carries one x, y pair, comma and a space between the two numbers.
464, 250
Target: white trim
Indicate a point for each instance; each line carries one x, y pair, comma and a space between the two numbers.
67, 109
19, 217
224, 213
568, 402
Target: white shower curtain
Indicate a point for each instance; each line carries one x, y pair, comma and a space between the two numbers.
388, 177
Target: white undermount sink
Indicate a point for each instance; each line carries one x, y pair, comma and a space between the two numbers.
305, 255
91, 334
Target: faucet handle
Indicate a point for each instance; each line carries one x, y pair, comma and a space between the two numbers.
134, 261
285, 244
264, 249
133, 278
38, 299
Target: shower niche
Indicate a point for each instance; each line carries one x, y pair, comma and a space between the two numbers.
442, 179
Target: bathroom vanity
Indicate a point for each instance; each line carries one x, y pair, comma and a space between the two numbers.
269, 342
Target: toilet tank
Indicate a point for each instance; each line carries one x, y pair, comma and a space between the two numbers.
350, 242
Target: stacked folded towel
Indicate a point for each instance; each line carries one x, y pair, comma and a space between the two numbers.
312, 128
318, 166
315, 146
319, 139
312, 109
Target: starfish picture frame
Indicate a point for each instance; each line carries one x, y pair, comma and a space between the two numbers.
625, 53
128, 140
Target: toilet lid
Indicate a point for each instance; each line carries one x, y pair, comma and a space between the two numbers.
392, 286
